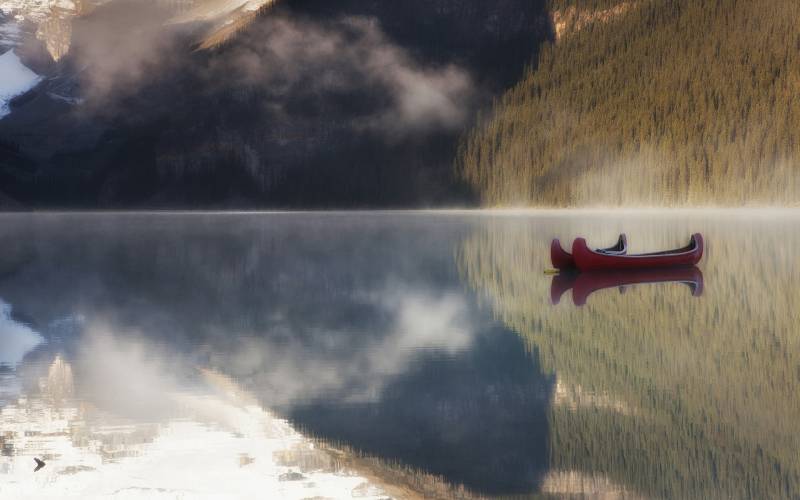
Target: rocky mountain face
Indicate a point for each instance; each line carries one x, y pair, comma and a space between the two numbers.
51, 21
571, 19
259, 103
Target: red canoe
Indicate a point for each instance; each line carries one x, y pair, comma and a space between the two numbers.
587, 259
584, 284
563, 260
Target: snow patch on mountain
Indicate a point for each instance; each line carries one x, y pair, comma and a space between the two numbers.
17, 78
34, 10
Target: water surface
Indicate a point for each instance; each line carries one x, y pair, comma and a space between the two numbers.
393, 354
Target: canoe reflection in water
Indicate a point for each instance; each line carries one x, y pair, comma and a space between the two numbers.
584, 284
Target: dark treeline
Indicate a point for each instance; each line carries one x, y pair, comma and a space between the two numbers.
650, 103
261, 121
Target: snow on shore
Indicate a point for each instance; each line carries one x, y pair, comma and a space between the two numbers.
16, 79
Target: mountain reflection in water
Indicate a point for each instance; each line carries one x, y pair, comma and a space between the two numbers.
405, 355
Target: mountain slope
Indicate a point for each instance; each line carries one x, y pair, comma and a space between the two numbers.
663, 103
312, 103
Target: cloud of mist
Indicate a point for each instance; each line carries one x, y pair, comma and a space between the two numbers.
126, 374
353, 59
130, 375
123, 45
343, 68
288, 371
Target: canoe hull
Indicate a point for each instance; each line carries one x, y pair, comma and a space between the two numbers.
587, 259
559, 258
563, 260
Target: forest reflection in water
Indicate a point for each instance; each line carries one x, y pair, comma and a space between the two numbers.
393, 354
709, 385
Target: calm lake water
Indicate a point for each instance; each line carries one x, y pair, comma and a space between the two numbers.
397, 355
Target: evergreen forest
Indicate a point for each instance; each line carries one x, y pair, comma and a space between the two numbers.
649, 103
